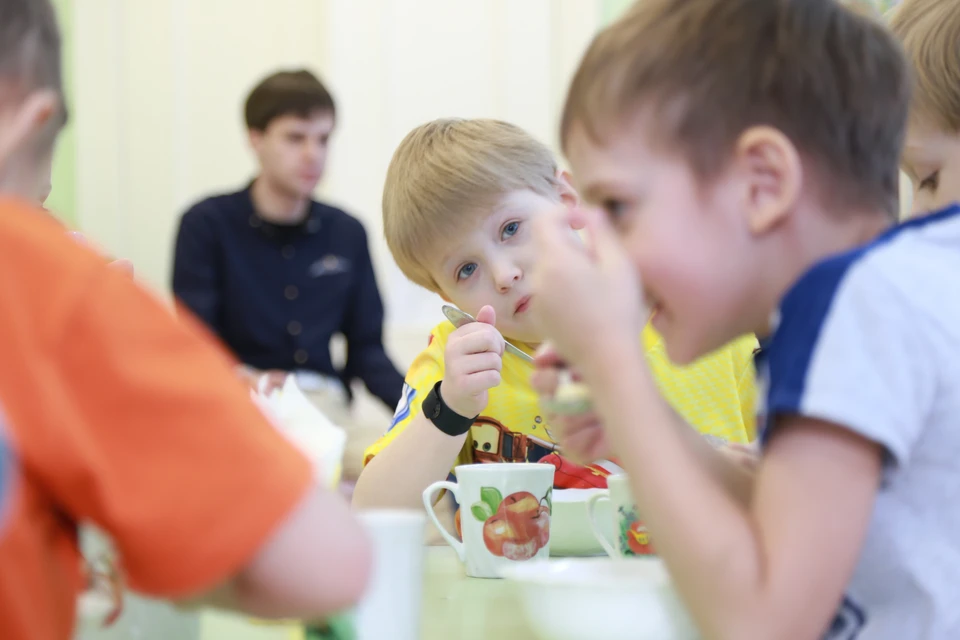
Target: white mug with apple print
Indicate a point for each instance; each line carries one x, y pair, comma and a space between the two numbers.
631, 534
504, 514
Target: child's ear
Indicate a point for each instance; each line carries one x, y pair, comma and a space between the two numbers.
23, 121
568, 195
771, 173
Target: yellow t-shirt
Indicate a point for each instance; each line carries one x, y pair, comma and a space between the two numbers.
715, 394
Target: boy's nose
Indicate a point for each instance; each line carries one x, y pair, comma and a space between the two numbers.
507, 276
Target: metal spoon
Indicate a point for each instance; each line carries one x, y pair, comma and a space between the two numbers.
571, 397
459, 318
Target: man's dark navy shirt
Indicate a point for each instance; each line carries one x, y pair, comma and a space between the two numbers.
276, 294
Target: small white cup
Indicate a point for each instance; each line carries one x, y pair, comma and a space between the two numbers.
631, 535
391, 606
504, 514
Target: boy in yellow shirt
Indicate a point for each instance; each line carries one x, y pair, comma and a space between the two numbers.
459, 199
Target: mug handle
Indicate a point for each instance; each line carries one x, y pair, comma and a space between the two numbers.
592, 519
428, 494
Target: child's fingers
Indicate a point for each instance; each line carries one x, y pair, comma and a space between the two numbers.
123, 265
577, 219
477, 362
553, 232
478, 338
602, 240
547, 356
272, 380
487, 315
545, 381
584, 446
481, 381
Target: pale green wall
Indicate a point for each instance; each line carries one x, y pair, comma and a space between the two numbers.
611, 9
62, 200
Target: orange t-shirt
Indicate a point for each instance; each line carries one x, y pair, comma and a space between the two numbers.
121, 415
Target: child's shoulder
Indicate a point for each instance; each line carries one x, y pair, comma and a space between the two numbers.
439, 335
739, 350
909, 266
433, 347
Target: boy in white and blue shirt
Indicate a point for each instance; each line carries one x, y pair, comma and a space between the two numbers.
748, 181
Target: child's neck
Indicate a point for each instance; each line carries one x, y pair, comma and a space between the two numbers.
815, 238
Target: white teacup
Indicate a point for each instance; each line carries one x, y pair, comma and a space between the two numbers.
631, 537
504, 514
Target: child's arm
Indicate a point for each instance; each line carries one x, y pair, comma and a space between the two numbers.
775, 568
585, 439
196, 488
316, 564
397, 476
422, 454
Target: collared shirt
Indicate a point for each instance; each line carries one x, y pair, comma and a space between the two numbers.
277, 294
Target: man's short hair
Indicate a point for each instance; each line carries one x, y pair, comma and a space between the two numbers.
297, 93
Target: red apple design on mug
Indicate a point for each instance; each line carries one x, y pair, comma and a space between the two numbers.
515, 527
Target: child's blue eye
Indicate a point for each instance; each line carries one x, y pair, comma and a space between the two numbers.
466, 271
510, 230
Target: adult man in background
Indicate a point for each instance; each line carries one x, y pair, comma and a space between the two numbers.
276, 274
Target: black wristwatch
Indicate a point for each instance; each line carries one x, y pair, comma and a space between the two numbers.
443, 417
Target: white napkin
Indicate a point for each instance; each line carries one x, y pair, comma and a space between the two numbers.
307, 428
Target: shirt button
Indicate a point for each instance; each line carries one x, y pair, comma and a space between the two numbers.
287, 251
291, 292
300, 356
254, 221
294, 328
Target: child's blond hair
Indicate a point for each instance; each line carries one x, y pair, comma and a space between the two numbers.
451, 170
930, 33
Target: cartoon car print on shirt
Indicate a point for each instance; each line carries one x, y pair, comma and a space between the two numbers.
493, 442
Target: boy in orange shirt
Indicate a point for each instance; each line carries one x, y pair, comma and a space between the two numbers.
118, 414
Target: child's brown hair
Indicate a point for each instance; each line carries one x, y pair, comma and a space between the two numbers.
834, 82
930, 33
448, 170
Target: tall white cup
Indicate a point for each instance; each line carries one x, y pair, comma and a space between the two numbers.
391, 606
